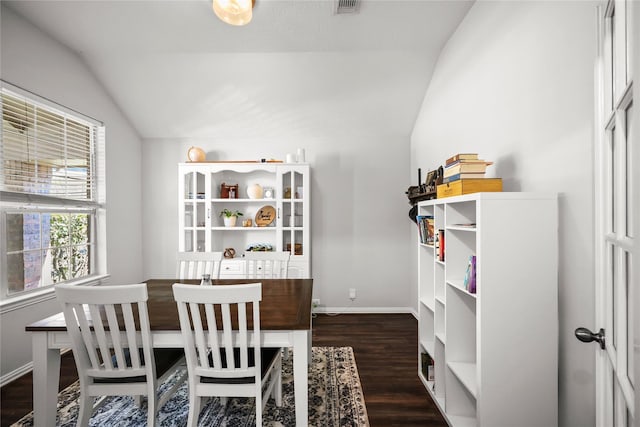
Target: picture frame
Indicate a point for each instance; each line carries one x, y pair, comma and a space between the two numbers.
430, 182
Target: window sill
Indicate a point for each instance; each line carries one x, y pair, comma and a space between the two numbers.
35, 297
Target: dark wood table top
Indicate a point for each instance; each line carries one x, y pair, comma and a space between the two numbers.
285, 305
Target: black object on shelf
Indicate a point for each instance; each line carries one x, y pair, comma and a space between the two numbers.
426, 190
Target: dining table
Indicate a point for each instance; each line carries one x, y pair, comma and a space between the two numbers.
285, 321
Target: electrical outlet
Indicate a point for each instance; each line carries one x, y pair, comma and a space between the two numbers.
352, 293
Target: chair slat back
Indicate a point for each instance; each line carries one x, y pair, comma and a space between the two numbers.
210, 345
103, 326
192, 265
267, 265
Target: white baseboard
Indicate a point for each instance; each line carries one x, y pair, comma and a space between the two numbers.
364, 310
22, 370
15, 374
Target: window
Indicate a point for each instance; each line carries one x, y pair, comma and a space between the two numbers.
50, 200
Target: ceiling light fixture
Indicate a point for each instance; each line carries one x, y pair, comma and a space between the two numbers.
234, 12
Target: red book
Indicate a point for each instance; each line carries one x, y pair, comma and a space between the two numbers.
441, 248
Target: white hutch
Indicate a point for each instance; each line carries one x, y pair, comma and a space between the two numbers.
286, 194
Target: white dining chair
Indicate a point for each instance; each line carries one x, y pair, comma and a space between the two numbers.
266, 265
223, 360
114, 357
193, 265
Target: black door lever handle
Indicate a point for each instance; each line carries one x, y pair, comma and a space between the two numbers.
585, 335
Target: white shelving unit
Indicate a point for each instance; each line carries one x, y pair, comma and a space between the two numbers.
201, 228
495, 351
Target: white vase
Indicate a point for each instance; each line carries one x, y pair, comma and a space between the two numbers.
230, 221
254, 191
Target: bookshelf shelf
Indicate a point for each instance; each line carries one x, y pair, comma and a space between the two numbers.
471, 336
439, 400
428, 346
466, 373
459, 285
457, 227
427, 304
457, 421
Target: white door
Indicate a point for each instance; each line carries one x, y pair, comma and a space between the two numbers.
617, 210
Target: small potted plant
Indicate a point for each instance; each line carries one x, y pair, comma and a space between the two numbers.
230, 217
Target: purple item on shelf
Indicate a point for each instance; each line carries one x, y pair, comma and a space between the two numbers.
472, 275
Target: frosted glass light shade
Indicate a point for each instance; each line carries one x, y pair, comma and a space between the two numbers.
234, 12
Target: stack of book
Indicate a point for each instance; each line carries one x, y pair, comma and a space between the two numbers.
425, 229
464, 166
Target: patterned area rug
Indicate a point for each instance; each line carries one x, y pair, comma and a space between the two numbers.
335, 399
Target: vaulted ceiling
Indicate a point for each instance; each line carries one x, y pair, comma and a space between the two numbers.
175, 70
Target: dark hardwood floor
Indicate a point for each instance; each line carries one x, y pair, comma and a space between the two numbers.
385, 347
16, 398
386, 356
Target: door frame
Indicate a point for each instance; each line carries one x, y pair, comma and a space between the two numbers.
635, 21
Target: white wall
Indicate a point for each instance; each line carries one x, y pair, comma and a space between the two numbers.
515, 84
358, 212
33, 61
355, 128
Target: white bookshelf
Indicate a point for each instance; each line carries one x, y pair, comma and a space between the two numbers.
495, 350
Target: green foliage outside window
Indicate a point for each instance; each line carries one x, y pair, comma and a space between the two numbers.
45, 248
69, 249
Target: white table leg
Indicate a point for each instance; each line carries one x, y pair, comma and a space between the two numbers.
46, 377
301, 357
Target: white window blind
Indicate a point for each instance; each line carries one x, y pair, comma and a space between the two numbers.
46, 151
52, 186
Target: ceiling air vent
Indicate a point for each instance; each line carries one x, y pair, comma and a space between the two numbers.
347, 6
